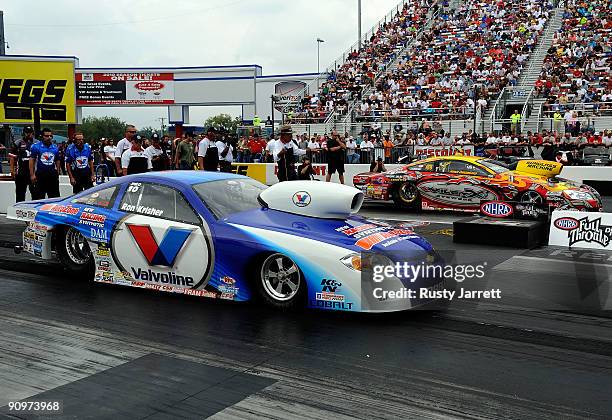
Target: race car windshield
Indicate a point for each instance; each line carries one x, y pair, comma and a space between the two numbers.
229, 196
494, 166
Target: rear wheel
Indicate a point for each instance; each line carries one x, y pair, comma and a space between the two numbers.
531, 196
280, 282
73, 251
406, 195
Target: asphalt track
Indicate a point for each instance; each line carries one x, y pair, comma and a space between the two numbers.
543, 351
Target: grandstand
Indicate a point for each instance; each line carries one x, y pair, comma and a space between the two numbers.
468, 66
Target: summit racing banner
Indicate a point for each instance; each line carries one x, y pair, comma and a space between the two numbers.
29, 87
578, 229
124, 88
430, 151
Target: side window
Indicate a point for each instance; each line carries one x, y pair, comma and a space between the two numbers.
102, 198
461, 167
157, 201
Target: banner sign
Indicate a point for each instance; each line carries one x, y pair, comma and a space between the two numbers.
430, 151
125, 88
579, 229
287, 93
30, 87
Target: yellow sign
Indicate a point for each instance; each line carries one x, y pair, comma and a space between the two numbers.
44, 87
539, 167
252, 170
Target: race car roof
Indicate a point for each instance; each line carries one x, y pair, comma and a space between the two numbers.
185, 177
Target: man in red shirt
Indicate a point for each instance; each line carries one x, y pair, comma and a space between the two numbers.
256, 145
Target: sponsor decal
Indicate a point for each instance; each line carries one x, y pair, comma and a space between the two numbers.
61, 209
328, 304
149, 211
329, 285
590, 231
456, 193
370, 241
530, 210
566, 223
167, 278
332, 297
228, 296
25, 214
204, 293
99, 234
92, 219
228, 280
228, 289
301, 199
164, 253
103, 252
496, 209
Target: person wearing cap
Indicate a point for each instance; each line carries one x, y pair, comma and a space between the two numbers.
156, 153
79, 164
378, 166
351, 154
45, 167
134, 160
123, 145
305, 170
20, 164
208, 152
284, 152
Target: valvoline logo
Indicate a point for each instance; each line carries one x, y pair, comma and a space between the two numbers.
566, 223
496, 209
47, 158
164, 253
301, 199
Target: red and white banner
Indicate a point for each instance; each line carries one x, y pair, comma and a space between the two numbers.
443, 150
125, 88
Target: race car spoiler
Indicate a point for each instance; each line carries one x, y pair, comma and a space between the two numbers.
539, 167
313, 198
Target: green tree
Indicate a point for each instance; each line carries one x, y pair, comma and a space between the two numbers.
147, 132
224, 121
94, 128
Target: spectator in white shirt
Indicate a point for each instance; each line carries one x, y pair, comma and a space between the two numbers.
123, 145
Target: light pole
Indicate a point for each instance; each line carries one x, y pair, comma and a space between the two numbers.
319, 41
359, 25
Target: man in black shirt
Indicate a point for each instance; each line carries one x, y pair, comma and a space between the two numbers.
20, 164
305, 171
335, 157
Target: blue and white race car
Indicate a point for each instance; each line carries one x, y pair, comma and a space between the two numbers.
224, 236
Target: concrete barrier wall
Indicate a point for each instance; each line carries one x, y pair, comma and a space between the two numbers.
265, 172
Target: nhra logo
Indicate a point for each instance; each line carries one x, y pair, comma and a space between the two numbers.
330, 285
496, 209
301, 199
165, 253
566, 223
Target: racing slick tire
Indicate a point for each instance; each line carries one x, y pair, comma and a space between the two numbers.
531, 196
280, 283
406, 195
74, 252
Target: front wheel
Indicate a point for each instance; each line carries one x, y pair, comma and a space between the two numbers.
73, 251
280, 282
406, 195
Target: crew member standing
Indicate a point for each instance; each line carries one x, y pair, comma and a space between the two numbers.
335, 157
156, 153
284, 152
123, 145
20, 164
79, 164
208, 152
45, 167
226, 156
135, 160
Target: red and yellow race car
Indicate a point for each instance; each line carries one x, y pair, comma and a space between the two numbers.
464, 182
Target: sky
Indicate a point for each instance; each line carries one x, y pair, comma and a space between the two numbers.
278, 35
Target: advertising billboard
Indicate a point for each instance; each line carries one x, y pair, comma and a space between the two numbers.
124, 88
31, 89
